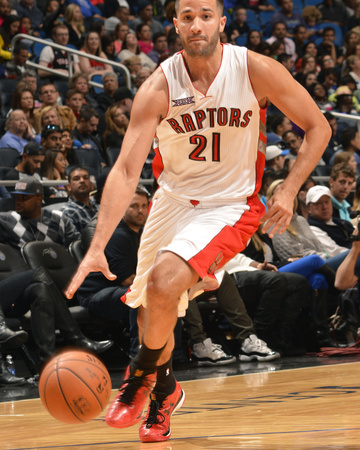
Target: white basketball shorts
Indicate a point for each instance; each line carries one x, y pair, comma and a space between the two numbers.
206, 237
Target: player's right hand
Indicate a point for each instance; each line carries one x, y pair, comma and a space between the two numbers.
93, 262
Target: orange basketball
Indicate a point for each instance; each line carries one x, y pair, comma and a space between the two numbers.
75, 387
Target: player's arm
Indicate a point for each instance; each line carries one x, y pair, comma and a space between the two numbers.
150, 105
272, 81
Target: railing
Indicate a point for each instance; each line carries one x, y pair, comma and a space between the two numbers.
71, 51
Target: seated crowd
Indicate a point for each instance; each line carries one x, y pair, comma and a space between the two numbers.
60, 135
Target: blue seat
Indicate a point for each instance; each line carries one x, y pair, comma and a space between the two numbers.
254, 26
97, 79
251, 16
265, 17
298, 5
311, 2
241, 40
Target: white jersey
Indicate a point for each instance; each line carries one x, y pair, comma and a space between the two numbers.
208, 143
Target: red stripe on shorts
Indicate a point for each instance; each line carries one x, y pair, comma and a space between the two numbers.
229, 242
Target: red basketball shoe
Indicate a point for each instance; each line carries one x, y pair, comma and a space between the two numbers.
127, 408
156, 426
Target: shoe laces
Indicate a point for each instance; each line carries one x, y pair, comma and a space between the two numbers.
130, 388
155, 415
216, 348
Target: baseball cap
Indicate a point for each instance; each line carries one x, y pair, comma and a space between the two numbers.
28, 186
272, 151
316, 192
121, 93
33, 149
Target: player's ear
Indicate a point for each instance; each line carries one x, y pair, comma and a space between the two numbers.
175, 25
222, 23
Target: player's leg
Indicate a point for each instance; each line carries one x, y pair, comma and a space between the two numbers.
170, 277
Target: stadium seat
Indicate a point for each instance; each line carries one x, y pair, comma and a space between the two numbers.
88, 157
112, 153
241, 40
9, 157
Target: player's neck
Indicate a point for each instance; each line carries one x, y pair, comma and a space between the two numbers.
203, 70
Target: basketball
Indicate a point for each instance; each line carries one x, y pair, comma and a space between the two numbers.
75, 387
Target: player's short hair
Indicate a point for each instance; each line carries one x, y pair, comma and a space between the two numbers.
220, 4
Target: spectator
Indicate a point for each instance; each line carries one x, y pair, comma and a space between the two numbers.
312, 17
301, 197
293, 141
51, 137
80, 82
333, 233
349, 159
341, 181
279, 34
350, 142
88, 10
50, 116
108, 46
74, 21
318, 93
57, 59
80, 208
31, 160
353, 63
16, 67
24, 99
92, 46
333, 11
121, 30
144, 36
30, 78
238, 26
174, 42
124, 97
280, 124
145, 10
120, 16
116, 126
253, 39
53, 168
141, 76
49, 96
130, 47
5, 10
75, 100
85, 132
27, 223
275, 157
328, 46
160, 47
287, 15
18, 128
67, 142
27, 8
106, 98
8, 29
300, 36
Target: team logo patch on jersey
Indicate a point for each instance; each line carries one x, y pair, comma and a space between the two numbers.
183, 101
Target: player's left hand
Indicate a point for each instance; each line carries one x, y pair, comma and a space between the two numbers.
279, 213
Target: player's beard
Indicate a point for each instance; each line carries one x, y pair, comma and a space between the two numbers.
203, 51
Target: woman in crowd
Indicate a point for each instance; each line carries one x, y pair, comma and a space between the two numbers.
67, 142
130, 47
49, 116
116, 126
92, 46
121, 30
319, 94
8, 29
24, 99
143, 33
53, 168
74, 20
253, 39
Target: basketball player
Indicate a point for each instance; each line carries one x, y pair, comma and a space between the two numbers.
207, 106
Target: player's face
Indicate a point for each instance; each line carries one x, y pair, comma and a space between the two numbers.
199, 25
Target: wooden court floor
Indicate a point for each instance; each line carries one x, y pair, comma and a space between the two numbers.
306, 408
